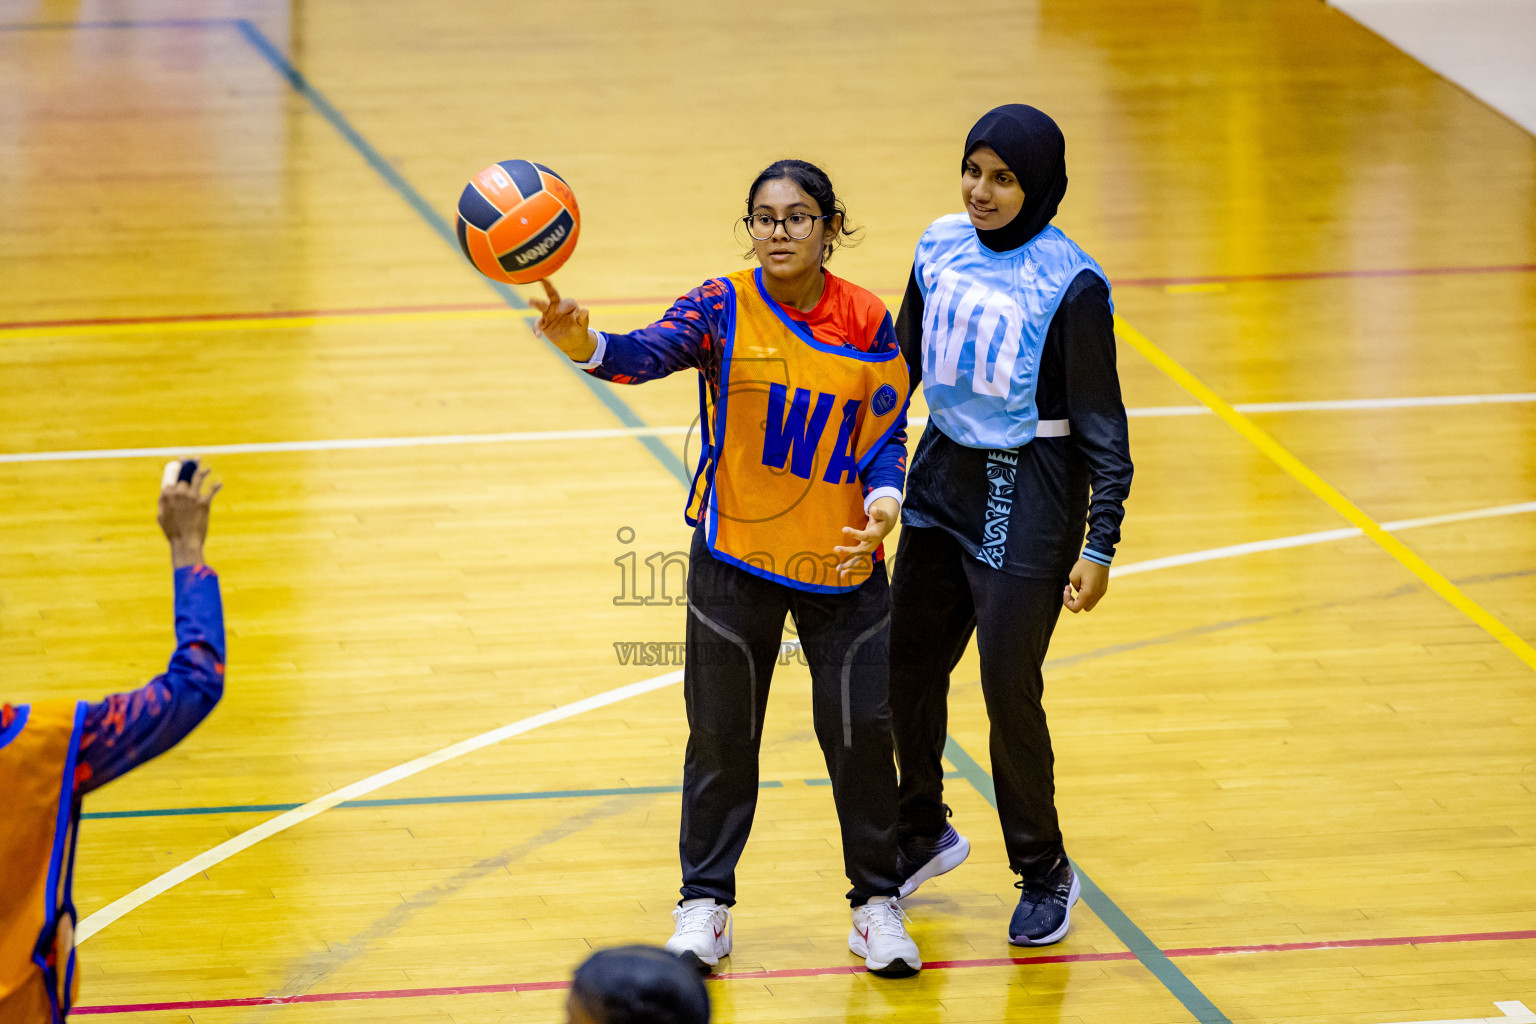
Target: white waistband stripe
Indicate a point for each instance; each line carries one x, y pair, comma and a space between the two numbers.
1053, 428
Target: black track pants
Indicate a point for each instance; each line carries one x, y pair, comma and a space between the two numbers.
940, 596
735, 627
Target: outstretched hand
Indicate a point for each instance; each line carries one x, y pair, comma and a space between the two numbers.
884, 514
563, 322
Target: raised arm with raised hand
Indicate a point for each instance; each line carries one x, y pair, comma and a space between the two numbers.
126, 729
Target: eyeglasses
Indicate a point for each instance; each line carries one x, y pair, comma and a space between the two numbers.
797, 225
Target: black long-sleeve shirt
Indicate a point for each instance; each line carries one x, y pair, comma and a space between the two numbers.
1057, 482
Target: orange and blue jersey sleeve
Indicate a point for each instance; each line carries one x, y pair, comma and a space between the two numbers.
688, 336
126, 729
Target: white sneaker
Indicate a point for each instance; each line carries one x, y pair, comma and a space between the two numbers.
880, 936
703, 933
934, 859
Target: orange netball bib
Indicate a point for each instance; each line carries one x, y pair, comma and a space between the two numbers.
796, 421
38, 751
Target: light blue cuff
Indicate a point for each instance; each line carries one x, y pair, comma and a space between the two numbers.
1098, 557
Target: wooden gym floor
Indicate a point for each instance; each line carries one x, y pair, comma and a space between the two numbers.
1300, 774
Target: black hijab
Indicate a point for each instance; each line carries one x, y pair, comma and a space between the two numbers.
1033, 148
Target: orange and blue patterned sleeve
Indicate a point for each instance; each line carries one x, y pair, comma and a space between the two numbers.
688, 336
127, 729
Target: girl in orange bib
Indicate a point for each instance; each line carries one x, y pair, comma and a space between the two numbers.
53, 753
803, 399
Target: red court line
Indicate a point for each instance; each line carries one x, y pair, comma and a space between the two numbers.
325, 997
1408, 940
273, 314
290, 314
465, 307
936, 965
811, 972
1321, 275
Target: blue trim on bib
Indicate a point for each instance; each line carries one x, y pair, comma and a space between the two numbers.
22, 714
706, 457
785, 581
898, 421
802, 330
61, 862
711, 515
66, 802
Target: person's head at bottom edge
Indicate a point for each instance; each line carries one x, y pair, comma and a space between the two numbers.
636, 985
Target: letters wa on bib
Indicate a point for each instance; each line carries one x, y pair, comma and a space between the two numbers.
823, 411
802, 419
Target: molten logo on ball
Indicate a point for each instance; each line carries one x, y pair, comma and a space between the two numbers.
518, 221
537, 251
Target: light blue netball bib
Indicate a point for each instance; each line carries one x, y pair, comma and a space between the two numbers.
985, 316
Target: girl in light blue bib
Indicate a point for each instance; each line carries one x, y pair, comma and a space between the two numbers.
1008, 325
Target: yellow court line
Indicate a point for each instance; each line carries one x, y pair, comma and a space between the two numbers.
1303, 474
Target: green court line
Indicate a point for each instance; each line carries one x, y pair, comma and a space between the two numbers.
300, 83
408, 801
1135, 940
414, 801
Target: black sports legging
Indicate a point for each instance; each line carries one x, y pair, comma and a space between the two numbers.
735, 628
940, 596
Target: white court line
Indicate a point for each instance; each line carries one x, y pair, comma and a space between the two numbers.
245, 840
538, 436
1514, 1012
344, 444
1233, 550
1386, 403
1321, 537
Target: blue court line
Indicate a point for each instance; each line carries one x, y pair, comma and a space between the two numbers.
604, 391
1134, 939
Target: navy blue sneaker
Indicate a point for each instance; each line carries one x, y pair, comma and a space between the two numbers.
932, 858
1044, 912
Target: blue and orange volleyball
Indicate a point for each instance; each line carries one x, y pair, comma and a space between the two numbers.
518, 221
